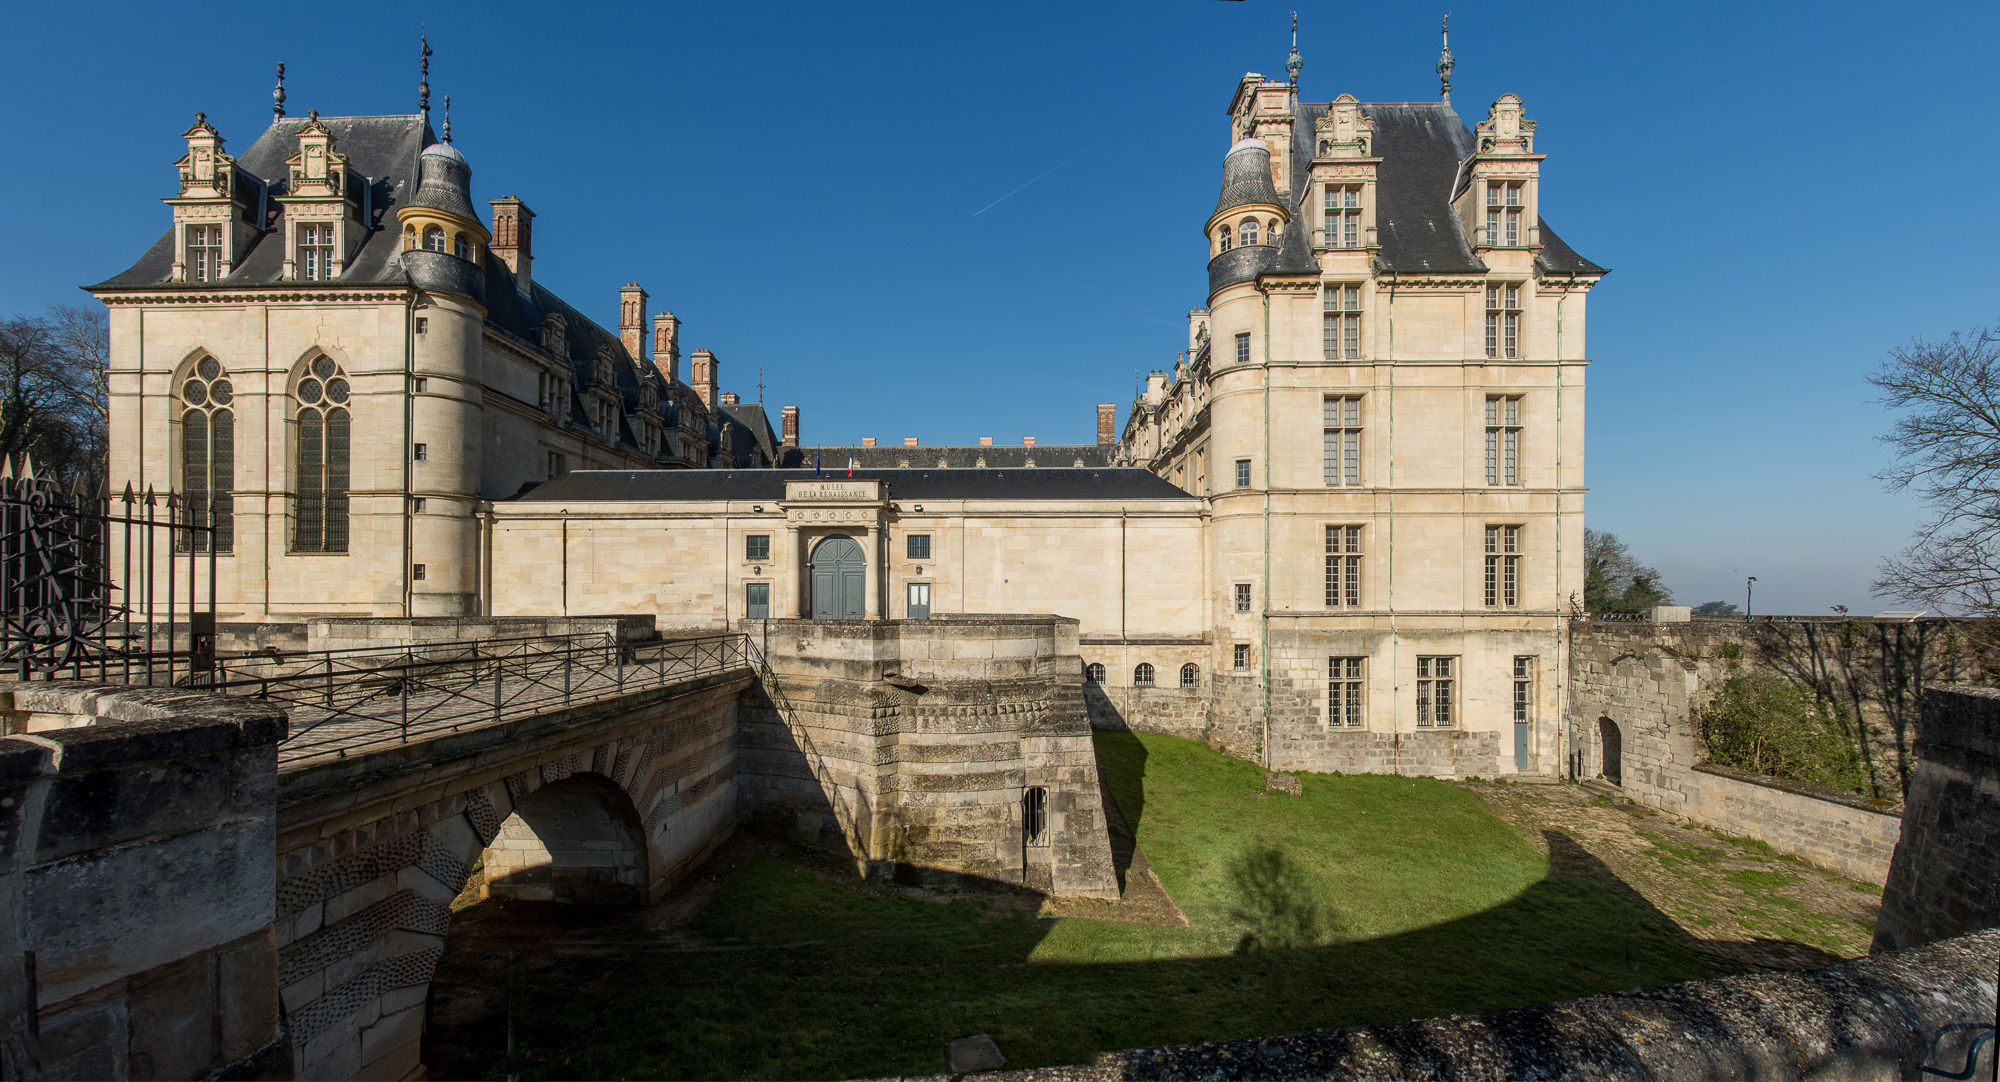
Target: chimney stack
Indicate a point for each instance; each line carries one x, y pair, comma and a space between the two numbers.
1107, 414
985, 441
909, 441
632, 321
667, 346
511, 222
705, 377
788, 424
729, 398
867, 441
1027, 441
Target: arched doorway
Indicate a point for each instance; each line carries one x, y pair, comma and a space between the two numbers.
576, 840
1610, 746
839, 580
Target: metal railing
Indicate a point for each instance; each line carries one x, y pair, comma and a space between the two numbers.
346, 702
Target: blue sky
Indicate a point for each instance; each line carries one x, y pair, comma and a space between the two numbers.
1784, 192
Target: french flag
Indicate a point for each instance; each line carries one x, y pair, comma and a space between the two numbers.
850, 463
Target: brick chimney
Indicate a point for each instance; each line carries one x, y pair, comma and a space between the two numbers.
632, 320
704, 376
867, 441
1027, 441
729, 398
985, 441
511, 228
909, 441
788, 425
667, 346
1107, 415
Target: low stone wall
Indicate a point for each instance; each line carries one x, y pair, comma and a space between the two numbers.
1837, 831
909, 746
1171, 711
136, 861
380, 632
1946, 876
1869, 1018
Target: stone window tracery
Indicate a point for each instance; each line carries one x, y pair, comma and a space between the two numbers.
208, 456
320, 485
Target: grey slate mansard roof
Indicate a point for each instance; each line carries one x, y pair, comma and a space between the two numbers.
1421, 145
666, 486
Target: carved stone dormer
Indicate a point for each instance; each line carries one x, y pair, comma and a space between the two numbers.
1500, 204
322, 207
215, 211
603, 372
1342, 206
555, 335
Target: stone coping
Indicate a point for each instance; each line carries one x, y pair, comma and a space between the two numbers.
1890, 808
99, 725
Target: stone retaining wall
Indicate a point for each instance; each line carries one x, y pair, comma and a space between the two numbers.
1946, 875
1837, 831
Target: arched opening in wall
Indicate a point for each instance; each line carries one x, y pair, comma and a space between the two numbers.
577, 840
1610, 751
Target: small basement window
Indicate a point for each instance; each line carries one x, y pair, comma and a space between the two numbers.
1035, 816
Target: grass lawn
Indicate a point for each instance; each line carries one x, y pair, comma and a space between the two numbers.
1367, 899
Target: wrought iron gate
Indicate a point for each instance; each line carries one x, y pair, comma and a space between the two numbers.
87, 579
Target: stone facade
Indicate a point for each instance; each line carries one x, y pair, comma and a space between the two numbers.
1946, 877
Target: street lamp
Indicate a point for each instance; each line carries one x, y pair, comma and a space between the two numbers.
1749, 591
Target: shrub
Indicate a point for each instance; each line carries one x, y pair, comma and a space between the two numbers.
1768, 725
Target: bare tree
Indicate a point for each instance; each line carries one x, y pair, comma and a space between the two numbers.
1947, 450
1614, 580
53, 392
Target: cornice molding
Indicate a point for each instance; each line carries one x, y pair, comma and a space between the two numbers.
259, 295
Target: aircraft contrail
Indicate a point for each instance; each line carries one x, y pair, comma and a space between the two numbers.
1044, 173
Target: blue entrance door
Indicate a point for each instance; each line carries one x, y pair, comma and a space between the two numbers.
839, 580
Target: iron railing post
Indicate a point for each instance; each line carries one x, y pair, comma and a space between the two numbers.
496, 685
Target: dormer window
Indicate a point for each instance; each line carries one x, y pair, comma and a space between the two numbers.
1343, 216
1247, 232
1503, 213
204, 253
434, 238
316, 252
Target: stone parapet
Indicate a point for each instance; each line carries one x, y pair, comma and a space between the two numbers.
1852, 835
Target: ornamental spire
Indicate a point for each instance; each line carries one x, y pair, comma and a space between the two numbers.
278, 95
424, 82
447, 119
1294, 62
1445, 61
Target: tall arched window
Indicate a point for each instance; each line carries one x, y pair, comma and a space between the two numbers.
1189, 674
1143, 675
319, 521
208, 456
1225, 238
1248, 232
434, 238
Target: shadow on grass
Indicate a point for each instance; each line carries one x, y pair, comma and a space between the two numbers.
1121, 771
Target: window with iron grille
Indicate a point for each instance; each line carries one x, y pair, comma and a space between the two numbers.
1340, 449
417, 572
1143, 674
1242, 655
1504, 207
1242, 597
1243, 348
319, 521
1190, 676
757, 546
208, 457
1343, 216
1343, 567
1242, 473
1524, 690
1035, 816
1340, 322
918, 546
204, 253
1503, 321
1503, 439
1094, 672
315, 260
1435, 700
1503, 566
1343, 691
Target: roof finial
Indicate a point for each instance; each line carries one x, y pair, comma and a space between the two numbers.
424, 84
1294, 62
447, 119
278, 95
1445, 61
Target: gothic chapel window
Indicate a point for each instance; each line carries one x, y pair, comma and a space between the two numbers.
208, 456
320, 484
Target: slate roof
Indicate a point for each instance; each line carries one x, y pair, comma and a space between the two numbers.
1421, 145
664, 486
1007, 456
751, 434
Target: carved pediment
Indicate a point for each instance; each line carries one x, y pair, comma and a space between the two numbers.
555, 334
1506, 129
1345, 131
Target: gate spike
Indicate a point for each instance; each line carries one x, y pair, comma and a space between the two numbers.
27, 467
150, 500
6, 467
128, 493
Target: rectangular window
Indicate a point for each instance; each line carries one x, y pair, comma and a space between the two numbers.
423, 384
1340, 449
1343, 216
757, 600
1242, 597
1340, 322
1343, 567
1242, 473
1524, 690
1503, 321
1343, 692
423, 324
315, 262
1503, 566
918, 546
1242, 655
1243, 349
417, 505
757, 546
204, 253
918, 606
1503, 439
558, 465
421, 452
417, 572
1434, 691
1504, 207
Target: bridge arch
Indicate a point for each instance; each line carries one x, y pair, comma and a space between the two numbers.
577, 840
